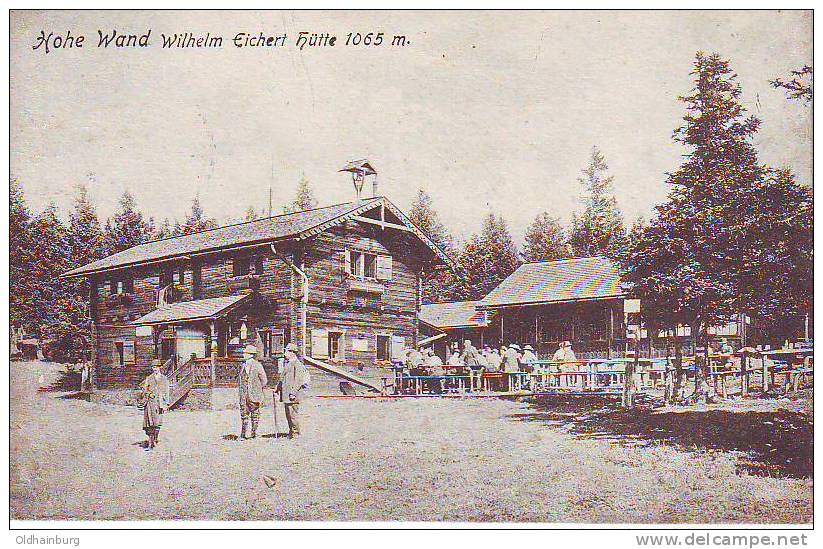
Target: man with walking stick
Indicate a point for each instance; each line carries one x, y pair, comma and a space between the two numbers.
293, 383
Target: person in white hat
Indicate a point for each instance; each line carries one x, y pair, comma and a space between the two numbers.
251, 380
294, 381
564, 353
528, 355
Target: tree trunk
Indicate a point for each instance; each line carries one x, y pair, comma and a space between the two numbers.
628, 378
679, 374
668, 383
701, 365
744, 374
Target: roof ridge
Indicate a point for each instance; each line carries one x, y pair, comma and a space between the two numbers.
567, 259
241, 223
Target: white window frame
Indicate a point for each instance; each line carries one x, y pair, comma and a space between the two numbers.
355, 265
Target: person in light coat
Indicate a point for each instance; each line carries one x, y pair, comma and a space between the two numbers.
155, 402
294, 382
251, 380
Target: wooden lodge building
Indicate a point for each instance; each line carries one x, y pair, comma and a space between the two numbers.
580, 300
343, 282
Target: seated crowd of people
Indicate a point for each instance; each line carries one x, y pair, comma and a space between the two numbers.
471, 363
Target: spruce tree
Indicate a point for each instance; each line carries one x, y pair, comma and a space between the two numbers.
599, 230
22, 311
440, 284
127, 227
304, 198
50, 257
251, 214
86, 244
545, 240
799, 86
488, 258
730, 237
196, 220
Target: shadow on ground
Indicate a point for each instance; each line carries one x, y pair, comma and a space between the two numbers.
776, 443
65, 381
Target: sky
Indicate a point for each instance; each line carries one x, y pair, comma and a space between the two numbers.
485, 111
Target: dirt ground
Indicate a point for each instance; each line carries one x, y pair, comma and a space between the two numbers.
410, 459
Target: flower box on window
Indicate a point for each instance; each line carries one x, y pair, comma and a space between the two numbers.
364, 285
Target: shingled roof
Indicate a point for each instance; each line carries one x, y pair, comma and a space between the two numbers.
458, 314
557, 281
281, 227
191, 310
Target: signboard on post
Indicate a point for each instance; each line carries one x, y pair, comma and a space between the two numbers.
631, 306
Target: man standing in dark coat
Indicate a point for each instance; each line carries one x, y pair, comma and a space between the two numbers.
293, 384
252, 379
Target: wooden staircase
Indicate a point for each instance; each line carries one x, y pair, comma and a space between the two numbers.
340, 372
181, 379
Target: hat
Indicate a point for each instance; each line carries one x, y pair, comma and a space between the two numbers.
292, 347
566, 344
514, 346
528, 348
250, 349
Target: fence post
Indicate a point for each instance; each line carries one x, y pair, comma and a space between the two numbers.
765, 374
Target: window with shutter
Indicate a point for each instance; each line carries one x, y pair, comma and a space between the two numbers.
345, 263
384, 267
319, 343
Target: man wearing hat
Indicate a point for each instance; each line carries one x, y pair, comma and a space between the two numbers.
252, 379
564, 353
293, 383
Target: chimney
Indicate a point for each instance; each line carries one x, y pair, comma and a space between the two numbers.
374, 188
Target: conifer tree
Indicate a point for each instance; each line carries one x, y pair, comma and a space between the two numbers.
86, 243
85, 236
545, 240
441, 284
488, 258
304, 198
127, 227
599, 230
196, 220
730, 238
50, 257
251, 214
22, 310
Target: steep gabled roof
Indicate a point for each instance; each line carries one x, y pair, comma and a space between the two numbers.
457, 314
557, 281
296, 225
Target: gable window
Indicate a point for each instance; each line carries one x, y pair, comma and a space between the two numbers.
123, 353
384, 347
368, 265
355, 263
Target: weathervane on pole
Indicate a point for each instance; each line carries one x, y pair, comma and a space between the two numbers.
359, 169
